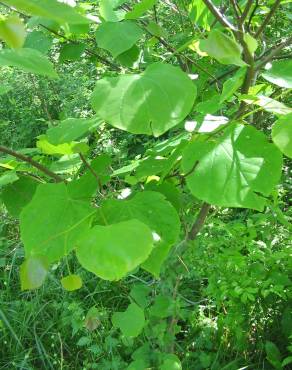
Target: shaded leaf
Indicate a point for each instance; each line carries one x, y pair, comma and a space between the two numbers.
48, 235
33, 272
17, 195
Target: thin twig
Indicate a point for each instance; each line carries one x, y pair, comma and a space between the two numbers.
220, 17
274, 51
87, 165
32, 162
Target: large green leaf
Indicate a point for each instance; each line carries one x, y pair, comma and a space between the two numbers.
12, 31
38, 40
53, 221
51, 9
280, 73
130, 322
17, 195
71, 129
112, 251
150, 103
28, 60
153, 210
282, 134
223, 48
233, 169
117, 37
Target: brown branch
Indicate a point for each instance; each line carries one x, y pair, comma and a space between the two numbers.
268, 17
198, 224
217, 14
252, 14
273, 52
246, 10
32, 162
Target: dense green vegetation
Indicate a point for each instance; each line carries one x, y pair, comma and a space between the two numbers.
145, 183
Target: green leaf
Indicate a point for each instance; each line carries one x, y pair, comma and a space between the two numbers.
130, 57
33, 272
171, 362
223, 48
139, 293
17, 195
117, 37
28, 60
12, 31
51, 9
234, 168
232, 85
38, 40
85, 187
71, 51
71, 282
67, 148
130, 322
280, 73
8, 178
269, 105
150, 103
200, 14
209, 106
273, 354
282, 134
53, 221
71, 129
140, 8
108, 12
165, 226
112, 251
156, 30
163, 307
251, 42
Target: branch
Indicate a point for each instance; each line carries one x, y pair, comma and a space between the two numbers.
268, 17
246, 10
198, 224
33, 163
220, 17
274, 51
91, 170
